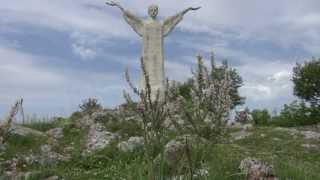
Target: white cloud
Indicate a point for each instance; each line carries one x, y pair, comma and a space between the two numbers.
64, 15
90, 22
280, 76
48, 90
289, 23
84, 52
18, 69
257, 92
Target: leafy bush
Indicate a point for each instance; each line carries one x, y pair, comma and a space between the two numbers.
296, 114
306, 79
261, 117
90, 106
75, 116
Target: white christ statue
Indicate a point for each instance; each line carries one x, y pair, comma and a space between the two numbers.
152, 32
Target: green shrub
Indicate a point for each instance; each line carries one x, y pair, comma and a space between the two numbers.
296, 114
90, 106
261, 117
75, 116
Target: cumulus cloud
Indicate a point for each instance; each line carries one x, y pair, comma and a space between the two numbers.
289, 23
63, 15
251, 34
48, 90
280, 76
84, 52
18, 68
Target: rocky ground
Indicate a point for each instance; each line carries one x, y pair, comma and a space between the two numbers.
100, 146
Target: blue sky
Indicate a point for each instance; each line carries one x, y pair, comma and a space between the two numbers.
56, 53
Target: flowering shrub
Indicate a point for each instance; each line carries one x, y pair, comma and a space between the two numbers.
208, 107
5, 127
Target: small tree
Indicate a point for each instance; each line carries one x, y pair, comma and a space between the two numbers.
306, 79
235, 79
89, 106
209, 104
296, 114
218, 73
260, 117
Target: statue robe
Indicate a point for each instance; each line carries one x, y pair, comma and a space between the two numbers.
153, 33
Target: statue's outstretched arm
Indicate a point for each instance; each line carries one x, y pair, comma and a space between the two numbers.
190, 9
171, 22
112, 3
135, 22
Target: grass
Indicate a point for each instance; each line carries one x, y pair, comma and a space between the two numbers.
46, 124
23, 144
290, 159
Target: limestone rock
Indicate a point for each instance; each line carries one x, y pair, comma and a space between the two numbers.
49, 157
198, 174
263, 135
240, 135
174, 152
55, 133
24, 131
176, 149
46, 157
310, 134
53, 178
294, 132
201, 173
256, 170
132, 144
247, 127
242, 126
310, 146
99, 138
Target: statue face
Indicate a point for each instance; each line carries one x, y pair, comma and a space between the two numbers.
153, 11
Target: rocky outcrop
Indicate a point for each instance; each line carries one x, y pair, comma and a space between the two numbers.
55, 133
99, 138
46, 157
133, 144
198, 174
24, 131
176, 150
310, 134
256, 170
310, 146
305, 133
240, 135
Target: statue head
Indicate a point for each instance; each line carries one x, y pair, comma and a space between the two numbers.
153, 11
